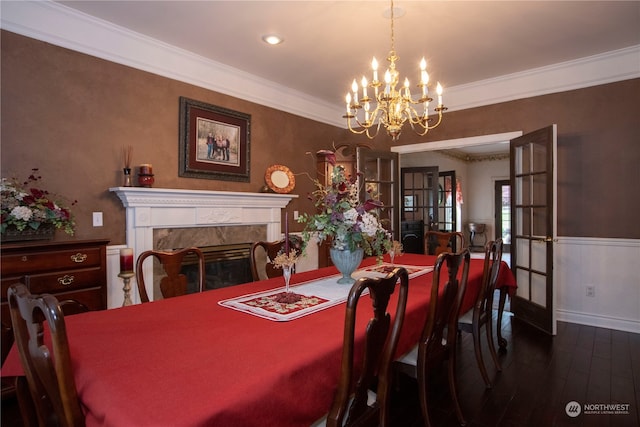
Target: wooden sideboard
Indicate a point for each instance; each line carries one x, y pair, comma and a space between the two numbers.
70, 270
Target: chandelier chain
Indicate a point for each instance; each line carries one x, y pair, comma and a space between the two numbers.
393, 39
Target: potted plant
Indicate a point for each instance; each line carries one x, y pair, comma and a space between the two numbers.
350, 223
31, 213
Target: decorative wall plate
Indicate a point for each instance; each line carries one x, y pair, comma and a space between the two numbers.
280, 179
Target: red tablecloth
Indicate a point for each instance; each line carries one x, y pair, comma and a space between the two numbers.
187, 361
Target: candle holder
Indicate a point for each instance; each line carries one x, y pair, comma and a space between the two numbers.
287, 263
126, 278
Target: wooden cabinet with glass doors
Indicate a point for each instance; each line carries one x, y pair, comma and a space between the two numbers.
380, 172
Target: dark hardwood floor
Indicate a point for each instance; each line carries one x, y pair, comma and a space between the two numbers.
540, 375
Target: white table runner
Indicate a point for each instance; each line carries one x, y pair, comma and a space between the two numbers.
317, 294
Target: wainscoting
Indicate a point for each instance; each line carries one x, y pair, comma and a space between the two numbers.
610, 266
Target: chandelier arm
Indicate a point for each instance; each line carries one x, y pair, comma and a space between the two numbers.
420, 132
439, 119
375, 134
356, 131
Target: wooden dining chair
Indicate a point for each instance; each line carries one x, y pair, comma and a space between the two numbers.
482, 312
174, 283
437, 242
354, 403
47, 367
14, 389
438, 340
263, 254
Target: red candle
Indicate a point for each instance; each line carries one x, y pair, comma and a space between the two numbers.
286, 233
126, 260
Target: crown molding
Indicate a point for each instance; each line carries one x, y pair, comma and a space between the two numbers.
62, 26
473, 158
609, 67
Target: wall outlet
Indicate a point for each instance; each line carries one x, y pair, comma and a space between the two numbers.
296, 214
591, 291
97, 219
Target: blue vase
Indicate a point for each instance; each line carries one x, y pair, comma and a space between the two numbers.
346, 262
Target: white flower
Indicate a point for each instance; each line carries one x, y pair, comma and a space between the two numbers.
370, 224
21, 212
351, 216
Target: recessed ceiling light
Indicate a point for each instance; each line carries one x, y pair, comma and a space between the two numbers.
272, 39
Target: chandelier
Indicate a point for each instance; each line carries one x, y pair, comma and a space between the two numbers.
393, 107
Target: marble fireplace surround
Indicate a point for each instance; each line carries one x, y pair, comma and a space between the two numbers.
153, 213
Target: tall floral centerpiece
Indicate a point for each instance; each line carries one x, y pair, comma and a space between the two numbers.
351, 224
28, 212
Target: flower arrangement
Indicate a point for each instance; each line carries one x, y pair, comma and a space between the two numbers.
26, 207
341, 215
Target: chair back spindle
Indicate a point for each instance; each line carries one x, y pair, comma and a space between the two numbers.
263, 254
174, 283
481, 313
438, 242
47, 367
350, 405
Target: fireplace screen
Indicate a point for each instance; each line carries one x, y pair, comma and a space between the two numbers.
225, 265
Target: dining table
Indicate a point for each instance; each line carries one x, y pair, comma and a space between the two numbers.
215, 359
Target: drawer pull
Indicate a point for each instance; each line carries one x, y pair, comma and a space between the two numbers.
65, 280
79, 257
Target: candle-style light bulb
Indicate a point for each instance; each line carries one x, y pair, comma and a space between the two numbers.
364, 86
348, 99
423, 64
439, 92
425, 81
406, 87
374, 67
354, 89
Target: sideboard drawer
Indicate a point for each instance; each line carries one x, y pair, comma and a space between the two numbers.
53, 260
65, 280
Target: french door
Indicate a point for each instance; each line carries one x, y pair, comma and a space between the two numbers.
381, 178
533, 219
419, 206
502, 204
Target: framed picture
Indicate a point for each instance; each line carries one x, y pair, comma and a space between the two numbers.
411, 203
214, 142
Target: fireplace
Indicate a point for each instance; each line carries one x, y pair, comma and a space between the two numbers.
225, 265
206, 218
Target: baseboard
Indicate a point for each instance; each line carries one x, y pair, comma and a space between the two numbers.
627, 325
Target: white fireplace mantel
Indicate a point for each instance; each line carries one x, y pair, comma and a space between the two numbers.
151, 208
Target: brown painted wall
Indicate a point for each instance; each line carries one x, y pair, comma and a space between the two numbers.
598, 151
70, 114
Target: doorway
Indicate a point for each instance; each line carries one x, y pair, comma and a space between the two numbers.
503, 213
420, 196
